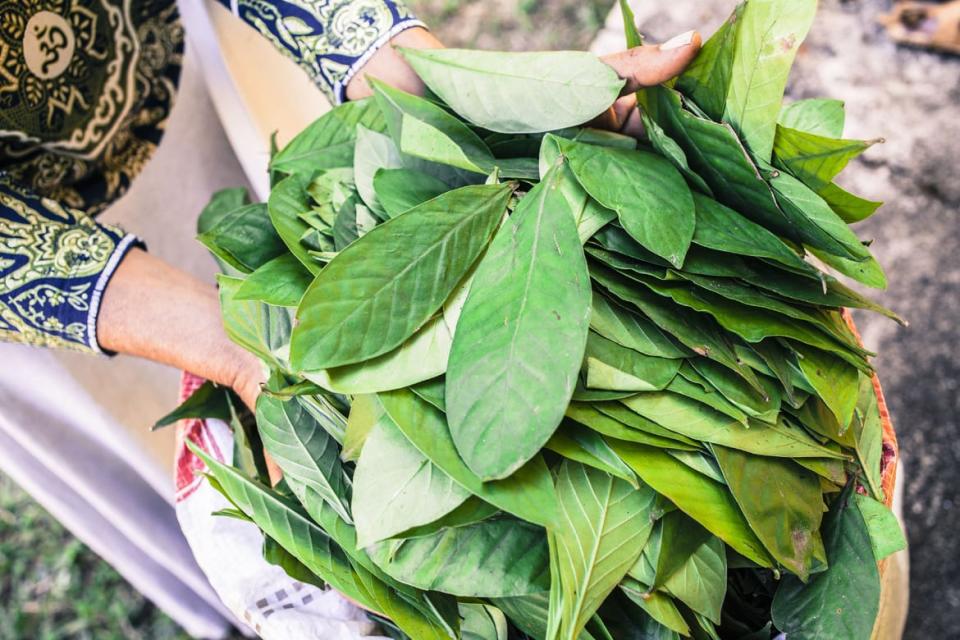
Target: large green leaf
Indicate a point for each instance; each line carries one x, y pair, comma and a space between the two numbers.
280, 282
603, 527
886, 535
589, 214
782, 503
768, 36
843, 601
819, 116
697, 575
243, 238
723, 229
288, 200
518, 92
588, 447
423, 356
303, 450
698, 421
494, 558
328, 142
259, 328
695, 331
520, 338
834, 380
616, 421
867, 430
705, 500
424, 130
707, 79
368, 301
399, 190
527, 494
651, 198
397, 488
374, 152
631, 330
815, 159
221, 203
614, 367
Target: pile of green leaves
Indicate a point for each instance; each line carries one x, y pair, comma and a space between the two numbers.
532, 379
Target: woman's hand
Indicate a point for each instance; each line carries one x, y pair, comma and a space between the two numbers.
156, 311
645, 66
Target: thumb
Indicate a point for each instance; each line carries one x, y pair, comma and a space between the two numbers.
651, 65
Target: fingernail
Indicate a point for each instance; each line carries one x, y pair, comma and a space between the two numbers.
677, 42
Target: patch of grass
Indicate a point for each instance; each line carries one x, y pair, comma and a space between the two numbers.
52, 587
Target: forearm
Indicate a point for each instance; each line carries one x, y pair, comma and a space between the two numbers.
154, 310
388, 65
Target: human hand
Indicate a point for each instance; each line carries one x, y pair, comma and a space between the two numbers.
645, 66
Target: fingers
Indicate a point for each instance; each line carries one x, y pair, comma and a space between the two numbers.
651, 65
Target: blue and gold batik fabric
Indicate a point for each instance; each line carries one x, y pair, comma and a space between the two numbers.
85, 89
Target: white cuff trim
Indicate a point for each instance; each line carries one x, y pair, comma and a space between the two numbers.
340, 90
118, 252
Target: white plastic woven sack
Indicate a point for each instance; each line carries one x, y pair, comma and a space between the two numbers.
275, 606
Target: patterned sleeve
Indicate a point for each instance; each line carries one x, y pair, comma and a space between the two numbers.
54, 265
329, 39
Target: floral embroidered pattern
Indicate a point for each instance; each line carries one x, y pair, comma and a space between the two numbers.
54, 265
329, 39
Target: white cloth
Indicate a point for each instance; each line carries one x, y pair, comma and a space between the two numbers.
74, 428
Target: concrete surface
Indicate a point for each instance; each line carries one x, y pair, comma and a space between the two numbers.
911, 98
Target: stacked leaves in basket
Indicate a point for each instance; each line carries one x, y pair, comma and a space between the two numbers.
533, 379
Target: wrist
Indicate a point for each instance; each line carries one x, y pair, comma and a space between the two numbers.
389, 66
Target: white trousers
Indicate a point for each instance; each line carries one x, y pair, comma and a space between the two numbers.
75, 429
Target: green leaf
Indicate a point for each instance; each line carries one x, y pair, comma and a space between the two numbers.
815, 159
329, 141
277, 555
695, 331
819, 116
520, 338
303, 450
700, 581
244, 238
657, 606
706, 501
868, 434
424, 130
482, 622
843, 601
301, 537
288, 200
614, 367
374, 152
767, 40
886, 535
587, 447
737, 392
397, 488
651, 198
695, 420
280, 282
497, 557
634, 39
616, 421
868, 271
782, 503
527, 494
603, 527
518, 92
365, 412
422, 357
723, 229
707, 79
849, 207
631, 330
834, 380
262, 329
208, 401
221, 203
394, 292
401, 189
